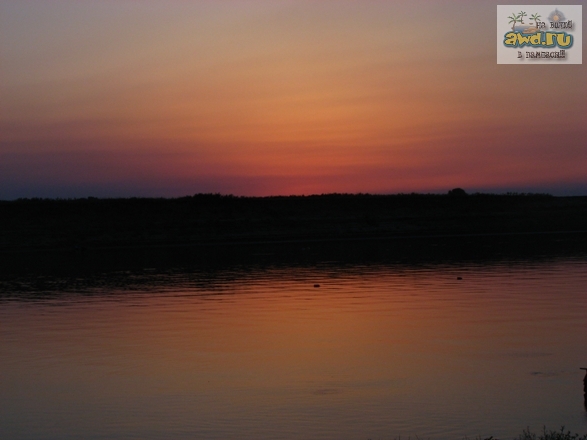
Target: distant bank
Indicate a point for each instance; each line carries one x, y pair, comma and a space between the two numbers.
203, 219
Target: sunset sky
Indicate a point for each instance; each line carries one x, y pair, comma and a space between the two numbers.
117, 98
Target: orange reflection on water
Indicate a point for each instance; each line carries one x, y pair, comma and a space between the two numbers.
370, 351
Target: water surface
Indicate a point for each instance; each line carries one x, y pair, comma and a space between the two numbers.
376, 351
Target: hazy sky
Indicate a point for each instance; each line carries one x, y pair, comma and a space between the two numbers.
261, 97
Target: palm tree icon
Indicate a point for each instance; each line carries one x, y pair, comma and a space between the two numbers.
521, 15
513, 19
536, 17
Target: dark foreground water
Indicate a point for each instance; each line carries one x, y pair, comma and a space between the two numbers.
376, 351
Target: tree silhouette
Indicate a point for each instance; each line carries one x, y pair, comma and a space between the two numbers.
457, 192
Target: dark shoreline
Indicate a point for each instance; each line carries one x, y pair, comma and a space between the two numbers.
35, 224
211, 230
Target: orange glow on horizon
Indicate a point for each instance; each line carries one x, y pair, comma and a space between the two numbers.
325, 98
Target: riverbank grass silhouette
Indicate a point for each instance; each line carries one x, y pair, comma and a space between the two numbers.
551, 435
529, 435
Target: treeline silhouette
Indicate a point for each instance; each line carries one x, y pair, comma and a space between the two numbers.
208, 218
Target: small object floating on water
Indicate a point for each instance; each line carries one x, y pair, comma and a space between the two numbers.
459, 278
316, 285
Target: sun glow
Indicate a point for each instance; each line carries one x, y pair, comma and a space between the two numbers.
207, 95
